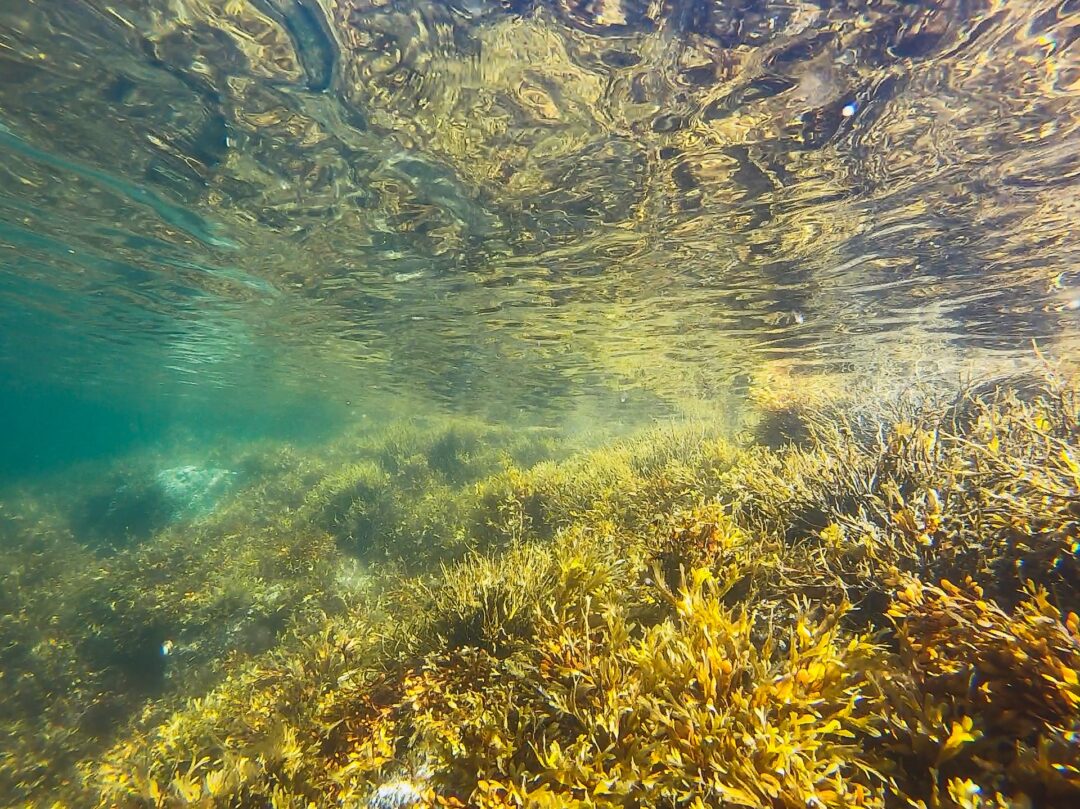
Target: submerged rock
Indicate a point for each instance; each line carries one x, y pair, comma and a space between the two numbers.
395, 795
137, 506
192, 492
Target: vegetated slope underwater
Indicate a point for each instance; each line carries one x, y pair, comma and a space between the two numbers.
539, 404
878, 613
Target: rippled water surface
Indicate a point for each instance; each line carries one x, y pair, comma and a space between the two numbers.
527, 201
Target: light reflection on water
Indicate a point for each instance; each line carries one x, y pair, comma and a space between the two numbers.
528, 200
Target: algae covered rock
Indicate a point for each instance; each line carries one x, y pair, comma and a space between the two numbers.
408, 617
136, 506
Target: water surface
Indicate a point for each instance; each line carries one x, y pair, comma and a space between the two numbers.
427, 197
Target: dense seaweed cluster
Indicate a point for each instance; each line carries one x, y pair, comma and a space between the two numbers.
108, 610
879, 614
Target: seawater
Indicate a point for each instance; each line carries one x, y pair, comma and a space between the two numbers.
539, 403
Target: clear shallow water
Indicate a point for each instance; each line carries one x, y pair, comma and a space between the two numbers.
238, 235
426, 197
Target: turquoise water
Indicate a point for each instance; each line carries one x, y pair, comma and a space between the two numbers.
341, 275
573, 201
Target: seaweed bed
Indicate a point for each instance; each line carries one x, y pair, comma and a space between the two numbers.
872, 605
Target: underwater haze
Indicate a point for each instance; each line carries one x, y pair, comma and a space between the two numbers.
535, 403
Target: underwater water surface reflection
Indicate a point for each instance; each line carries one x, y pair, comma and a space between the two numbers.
431, 195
